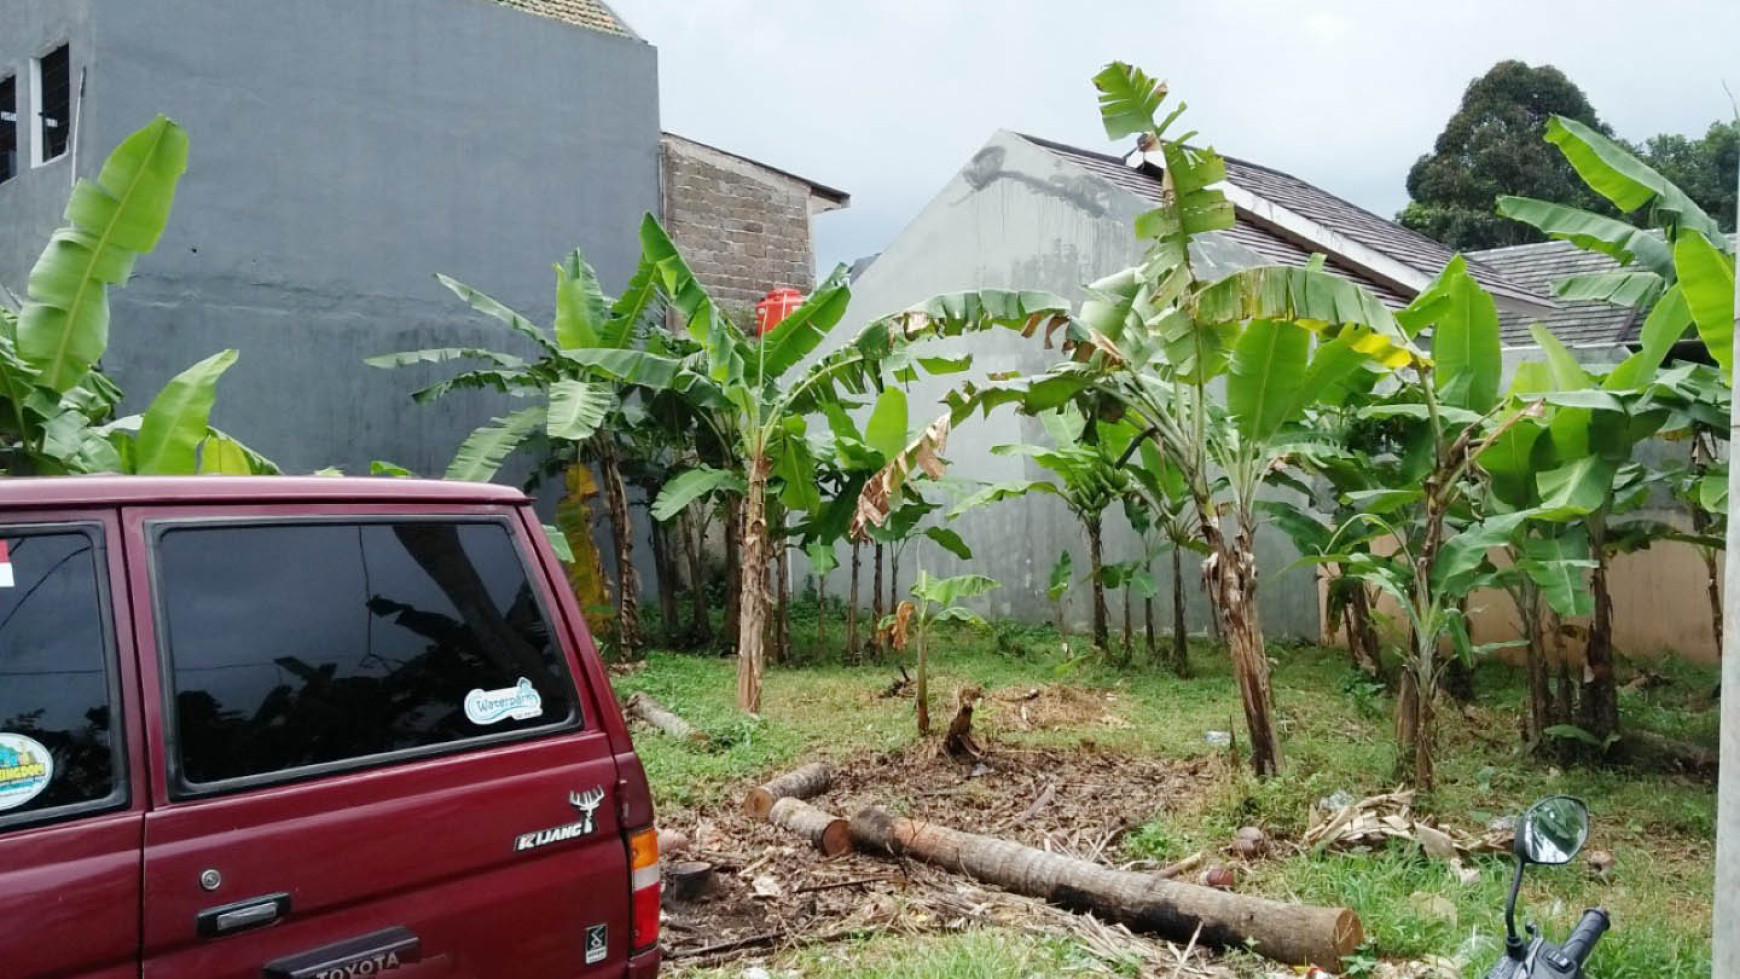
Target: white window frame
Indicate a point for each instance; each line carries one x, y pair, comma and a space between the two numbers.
38, 138
17, 130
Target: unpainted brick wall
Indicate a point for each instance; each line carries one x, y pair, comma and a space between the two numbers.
743, 229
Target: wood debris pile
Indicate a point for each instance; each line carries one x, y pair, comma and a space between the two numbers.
769, 891
1372, 822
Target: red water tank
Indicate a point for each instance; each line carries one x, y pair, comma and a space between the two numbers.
776, 306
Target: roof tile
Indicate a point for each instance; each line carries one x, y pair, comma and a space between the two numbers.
584, 13
1408, 247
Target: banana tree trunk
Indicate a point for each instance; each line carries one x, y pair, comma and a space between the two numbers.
782, 591
628, 630
1148, 619
1600, 692
876, 608
1233, 580
1540, 698
1564, 705
1102, 629
1712, 557
1361, 634
1129, 633
1180, 637
753, 604
733, 567
1713, 586
700, 621
852, 651
665, 569
921, 682
1414, 728
893, 578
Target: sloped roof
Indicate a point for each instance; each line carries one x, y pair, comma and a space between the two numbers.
1253, 235
1422, 256
1576, 324
591, 14
832, 196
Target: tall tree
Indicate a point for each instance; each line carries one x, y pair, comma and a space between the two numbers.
1493, 146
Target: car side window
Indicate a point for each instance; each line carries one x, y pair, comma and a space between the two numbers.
301, 647
59, 747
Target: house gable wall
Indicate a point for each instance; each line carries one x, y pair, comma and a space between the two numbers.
1017, 216
744, 229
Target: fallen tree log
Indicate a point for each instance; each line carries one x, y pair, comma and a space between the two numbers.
800, 783
655, 713
825, 831
1650, 751
1292, 933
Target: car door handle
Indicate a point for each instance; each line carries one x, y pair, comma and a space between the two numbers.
251, 913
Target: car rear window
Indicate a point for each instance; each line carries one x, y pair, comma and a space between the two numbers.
293, 645
59, 752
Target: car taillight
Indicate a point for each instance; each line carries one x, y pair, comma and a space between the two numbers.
643, 859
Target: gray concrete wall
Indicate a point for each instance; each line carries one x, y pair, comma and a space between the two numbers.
31, 202
1018, 217
342, 152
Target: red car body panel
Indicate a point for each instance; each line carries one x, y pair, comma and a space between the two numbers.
426, 844
69, 891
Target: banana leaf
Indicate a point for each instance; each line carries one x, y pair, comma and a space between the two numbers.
64, 328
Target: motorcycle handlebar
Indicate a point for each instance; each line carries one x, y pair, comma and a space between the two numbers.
1583, 938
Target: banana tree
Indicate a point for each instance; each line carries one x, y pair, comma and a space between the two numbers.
58, 413
934, 600
576, 417
763, 389
1156, 341
1446, 416
1160, 507
1088, 481
1700, 403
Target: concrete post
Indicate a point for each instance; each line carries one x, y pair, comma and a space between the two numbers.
1727, 923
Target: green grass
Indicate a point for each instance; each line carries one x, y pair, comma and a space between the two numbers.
1336, 737
976, 954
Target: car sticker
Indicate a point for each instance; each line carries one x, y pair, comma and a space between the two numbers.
5, 566
520, 702
586, 804
25, 770
597, 943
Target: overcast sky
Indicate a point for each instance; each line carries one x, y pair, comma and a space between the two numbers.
886, 99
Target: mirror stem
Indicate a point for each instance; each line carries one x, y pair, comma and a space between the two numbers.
1513, 943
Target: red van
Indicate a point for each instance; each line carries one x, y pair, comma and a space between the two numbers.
307, 728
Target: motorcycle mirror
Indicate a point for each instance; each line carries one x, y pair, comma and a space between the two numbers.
1553, 830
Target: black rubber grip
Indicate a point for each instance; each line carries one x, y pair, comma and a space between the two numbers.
1583, 938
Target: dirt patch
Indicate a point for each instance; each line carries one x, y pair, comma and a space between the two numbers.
773, 891
1052, 706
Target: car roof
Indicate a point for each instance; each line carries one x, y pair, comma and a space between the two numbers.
76, 491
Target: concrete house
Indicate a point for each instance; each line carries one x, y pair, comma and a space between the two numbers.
341, 153
1031, 213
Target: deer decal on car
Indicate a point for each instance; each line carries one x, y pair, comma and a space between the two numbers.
585, 803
